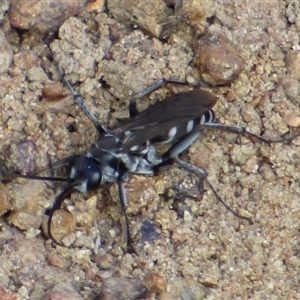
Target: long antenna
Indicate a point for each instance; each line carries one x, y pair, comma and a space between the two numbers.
33, 177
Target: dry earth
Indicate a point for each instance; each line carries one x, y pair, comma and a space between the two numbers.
187, 245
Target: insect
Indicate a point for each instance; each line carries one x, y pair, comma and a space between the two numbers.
130, 149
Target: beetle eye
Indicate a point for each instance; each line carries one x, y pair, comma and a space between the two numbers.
86, 172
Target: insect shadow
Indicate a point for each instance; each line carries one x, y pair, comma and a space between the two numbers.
131, 148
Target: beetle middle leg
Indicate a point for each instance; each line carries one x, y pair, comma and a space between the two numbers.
79, 101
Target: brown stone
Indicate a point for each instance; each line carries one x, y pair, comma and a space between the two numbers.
42, 16
217, 59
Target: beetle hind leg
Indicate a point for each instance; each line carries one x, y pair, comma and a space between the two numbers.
203, 175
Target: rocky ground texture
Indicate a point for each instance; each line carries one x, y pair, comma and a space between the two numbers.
186, 244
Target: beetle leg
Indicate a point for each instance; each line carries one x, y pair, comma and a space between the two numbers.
203, 175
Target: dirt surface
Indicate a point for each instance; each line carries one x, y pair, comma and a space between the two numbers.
186, 244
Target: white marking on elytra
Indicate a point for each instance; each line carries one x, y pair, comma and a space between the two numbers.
73, 172
203, 119
172, 132
134, 148
189, 126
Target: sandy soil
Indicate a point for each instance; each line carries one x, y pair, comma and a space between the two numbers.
187, 245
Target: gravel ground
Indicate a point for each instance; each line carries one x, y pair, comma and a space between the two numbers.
186, 244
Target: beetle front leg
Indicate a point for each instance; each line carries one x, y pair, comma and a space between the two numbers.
79, 101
